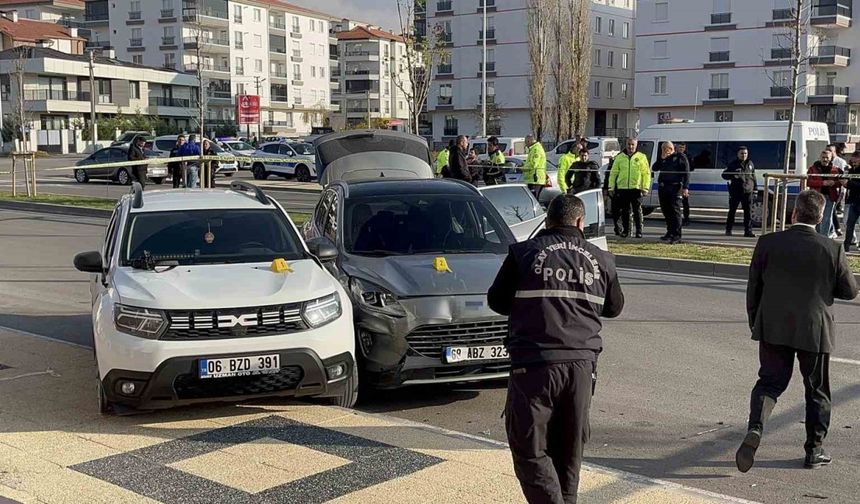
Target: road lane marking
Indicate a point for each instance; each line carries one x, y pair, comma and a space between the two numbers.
845, 361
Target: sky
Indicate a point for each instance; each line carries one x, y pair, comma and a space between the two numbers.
378, 12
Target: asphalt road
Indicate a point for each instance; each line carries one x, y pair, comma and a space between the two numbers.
673, 389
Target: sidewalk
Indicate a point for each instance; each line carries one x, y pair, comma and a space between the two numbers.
56, 448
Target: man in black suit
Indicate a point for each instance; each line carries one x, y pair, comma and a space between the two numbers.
795, 275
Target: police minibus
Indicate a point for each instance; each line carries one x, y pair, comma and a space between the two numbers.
712, 146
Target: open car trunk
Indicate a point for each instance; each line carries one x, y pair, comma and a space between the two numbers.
354, 156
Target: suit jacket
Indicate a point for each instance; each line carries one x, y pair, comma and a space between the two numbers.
794, 278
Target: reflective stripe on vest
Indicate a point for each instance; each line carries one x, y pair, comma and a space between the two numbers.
564, 294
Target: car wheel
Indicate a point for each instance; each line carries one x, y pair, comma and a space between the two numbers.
757, 210
81, 176
123, 177
158, 180
105, 406
259, 172
303, 174
349, 397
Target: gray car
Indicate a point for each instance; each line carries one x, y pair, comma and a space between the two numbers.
418, 257
120, 174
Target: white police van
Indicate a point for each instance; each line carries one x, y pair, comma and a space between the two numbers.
712, 146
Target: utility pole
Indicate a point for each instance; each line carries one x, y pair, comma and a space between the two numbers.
368, 108
484, 76
2, 145
258, 82
93, 128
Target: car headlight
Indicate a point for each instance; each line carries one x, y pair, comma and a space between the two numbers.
375, 298
141, 322
320, 312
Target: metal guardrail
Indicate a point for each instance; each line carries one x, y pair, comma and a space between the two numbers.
780, 196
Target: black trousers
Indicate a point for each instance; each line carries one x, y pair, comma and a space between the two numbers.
745, 201
630, 200
536, 189
177, 173
671, 202
138, 174
546, 418
777, 364
686, 203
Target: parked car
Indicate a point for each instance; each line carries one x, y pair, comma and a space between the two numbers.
286, 162
251, 312
121, 174
238, 148
164, 144
600, 149
126, 138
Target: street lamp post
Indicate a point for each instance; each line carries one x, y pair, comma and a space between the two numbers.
484, 76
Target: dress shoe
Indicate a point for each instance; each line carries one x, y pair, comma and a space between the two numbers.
749, 234
745, 457
624, 234
728, 232
674, 240
638, 234
685, 222
665, 238
817, 461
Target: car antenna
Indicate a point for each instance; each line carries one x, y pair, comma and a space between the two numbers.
137, 199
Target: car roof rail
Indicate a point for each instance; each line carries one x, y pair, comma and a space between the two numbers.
137, 191
468, 185
245, 187
343, 185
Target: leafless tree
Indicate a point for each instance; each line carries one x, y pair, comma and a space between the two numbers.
579, 62
540, 51
23, 53
560, 69
191, 15
495, 117
421, 56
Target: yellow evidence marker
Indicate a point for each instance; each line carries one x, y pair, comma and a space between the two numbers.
281, 266
440, 264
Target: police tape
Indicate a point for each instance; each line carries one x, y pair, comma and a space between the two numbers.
179, 159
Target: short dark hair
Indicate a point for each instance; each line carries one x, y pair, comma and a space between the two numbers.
743, 147
451, 142
461, 137
493, 140
583, 150
565, 210
678, 144
809, 207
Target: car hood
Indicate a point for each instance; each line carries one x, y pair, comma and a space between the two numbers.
366, 155
222, 286
415, 275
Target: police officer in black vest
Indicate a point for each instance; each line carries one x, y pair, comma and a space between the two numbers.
555, 288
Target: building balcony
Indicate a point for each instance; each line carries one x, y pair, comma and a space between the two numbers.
490, 4
135, 42
278, 50
361, 75
96, 17
445, 69
276, 74
722, 18
53, 94
295, 34
167, 42
219, 96
98, 44
162, 101
135, 16
277, 124
491, 69
782, 15
831, 16
170, 65
828, 95
167, 14
239, 45
278, 25
191, 67
780, 92
843, 132
491, 36
279, 98
362, 110
831, 56
208, 16
718, 94
719, 59
364, 55
219, 44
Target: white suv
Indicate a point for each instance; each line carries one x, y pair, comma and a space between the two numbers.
288, 160
212, 295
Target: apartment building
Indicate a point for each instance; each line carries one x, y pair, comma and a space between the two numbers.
52, 11
57, 94
15, 32
370, 76
729, 60
264, 47
454, 102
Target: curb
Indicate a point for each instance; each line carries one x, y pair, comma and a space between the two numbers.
683, 266
28, 206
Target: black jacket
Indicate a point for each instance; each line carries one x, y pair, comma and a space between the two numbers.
741, 177
174, 152
583, 176
457, 166
853, 187
794, 277
555, 288
674, 171
135, 153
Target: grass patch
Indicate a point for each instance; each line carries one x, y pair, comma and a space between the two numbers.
299, 219
696, 252
59, 199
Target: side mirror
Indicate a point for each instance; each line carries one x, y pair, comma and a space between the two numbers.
89, 262
323, 249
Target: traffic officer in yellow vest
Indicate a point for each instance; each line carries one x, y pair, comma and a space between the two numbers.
495, 173
629, 182
564, 163
534, 170
442, 158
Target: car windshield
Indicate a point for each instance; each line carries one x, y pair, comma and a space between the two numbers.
303, 149
419, 224
211, 237
240, 146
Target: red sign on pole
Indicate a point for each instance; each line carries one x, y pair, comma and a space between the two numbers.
249, 109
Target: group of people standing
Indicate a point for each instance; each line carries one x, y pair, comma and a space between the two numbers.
184, 173
837, 191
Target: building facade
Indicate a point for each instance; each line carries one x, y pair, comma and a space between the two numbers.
57, 94
15, 31
373, 78
454, 102
52, 11
729, 60
268, 48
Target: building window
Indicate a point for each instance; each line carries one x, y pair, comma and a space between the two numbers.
134, 90
258, 41
782, 114
597, 89
258, 15
239, 43
296, 27
610, 59
598, 56
720, 49
387, 89
611, 28
722, 7
312, 25
723, 116
322, 72
624, 90
313, 72
240, 66
445, 94
610, 88
237, 14
719, 86
451, 126
625, 30
136, 38
661, 49
625, 61
258, 66
661, 10
660, 85
170, 60
137, 59
598, 24
297, 72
